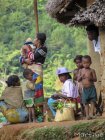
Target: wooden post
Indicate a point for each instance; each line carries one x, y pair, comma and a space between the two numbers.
36, 15
95, 58
102, 60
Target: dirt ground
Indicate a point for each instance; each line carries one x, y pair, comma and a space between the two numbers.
10, 132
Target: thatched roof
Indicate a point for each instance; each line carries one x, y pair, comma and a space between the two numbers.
64, 10
94, 14
75, 12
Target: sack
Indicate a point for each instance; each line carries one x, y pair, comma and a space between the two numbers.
16, 115
66, 114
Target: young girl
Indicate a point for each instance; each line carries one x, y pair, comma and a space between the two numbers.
78, 62
88, 76
35, 96
69, 90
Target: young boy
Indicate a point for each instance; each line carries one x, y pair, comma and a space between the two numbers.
38, 91
88, 76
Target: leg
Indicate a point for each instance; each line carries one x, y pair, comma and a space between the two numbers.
87, 110
33, 114
30, 114
50, 104
3, 106
83, 110
92, 109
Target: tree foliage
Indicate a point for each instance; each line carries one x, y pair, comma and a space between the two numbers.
17, 23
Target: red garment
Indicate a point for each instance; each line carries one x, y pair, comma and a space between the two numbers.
39, 93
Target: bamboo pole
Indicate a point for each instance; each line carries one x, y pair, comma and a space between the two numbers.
36, 15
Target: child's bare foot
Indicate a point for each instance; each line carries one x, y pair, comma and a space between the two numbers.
30, 120
34, 120
88, 118
93, 117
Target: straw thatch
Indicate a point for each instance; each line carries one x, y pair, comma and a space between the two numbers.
64, 10
74, 12
94, 14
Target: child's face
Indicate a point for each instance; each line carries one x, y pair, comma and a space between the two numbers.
29, 76
62, 78
86, 63
79, 64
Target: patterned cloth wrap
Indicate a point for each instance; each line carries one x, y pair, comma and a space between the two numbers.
33, 96
13, 115
39, 96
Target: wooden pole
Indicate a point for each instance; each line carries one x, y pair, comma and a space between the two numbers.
36, 15
95, 58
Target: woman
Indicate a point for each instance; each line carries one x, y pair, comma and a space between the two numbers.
39, 54
11, 101
69, 90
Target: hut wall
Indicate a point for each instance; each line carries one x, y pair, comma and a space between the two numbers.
102, 60
95, 64
95, 58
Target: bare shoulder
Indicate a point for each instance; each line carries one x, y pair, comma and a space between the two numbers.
81, 70
92, 70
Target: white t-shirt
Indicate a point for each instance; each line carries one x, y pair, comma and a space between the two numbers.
70, 89
96, 44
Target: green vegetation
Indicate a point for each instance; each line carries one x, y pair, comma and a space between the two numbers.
17, 23
84, 131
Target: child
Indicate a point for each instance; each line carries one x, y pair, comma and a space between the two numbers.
78, 62
69, 90
37, 97
27, 51
88, 76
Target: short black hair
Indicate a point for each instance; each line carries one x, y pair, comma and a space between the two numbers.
26, 72
87, 57
93, 28
13, 80
41, 37
78, 57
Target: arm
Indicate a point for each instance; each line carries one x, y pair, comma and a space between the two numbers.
94, 79
79, 77
75, 75
40, 53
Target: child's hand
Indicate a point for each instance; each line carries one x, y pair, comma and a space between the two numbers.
55, 96
28, 61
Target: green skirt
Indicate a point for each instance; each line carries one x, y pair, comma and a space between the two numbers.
89, 94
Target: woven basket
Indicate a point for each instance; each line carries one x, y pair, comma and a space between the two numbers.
66, 114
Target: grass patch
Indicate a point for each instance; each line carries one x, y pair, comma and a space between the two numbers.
85, 131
